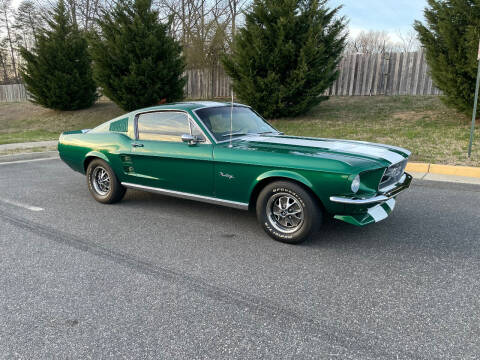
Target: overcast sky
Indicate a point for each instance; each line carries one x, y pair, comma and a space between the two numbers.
388, 15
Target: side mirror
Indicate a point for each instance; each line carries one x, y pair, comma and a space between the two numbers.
190, 139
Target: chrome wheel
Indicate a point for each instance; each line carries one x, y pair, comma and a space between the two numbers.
100, 181
285, 212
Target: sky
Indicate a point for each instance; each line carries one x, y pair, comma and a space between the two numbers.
387, 15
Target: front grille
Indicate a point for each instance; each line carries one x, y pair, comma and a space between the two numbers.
393, 174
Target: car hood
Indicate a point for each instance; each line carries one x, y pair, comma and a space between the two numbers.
319, 147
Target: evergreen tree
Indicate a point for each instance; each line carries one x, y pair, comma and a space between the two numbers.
57, 71
136, 61
450, 37
286, 56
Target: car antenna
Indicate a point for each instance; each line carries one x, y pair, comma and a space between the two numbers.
231, 121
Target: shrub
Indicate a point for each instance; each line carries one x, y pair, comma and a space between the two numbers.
450, 37
136, 62
57, 72
286, 56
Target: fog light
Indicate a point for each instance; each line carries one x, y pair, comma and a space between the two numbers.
355, 184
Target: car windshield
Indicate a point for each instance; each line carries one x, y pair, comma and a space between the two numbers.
244, 122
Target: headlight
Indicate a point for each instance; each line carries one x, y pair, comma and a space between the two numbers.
355, 184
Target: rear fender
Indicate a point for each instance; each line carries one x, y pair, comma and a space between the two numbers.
95, 154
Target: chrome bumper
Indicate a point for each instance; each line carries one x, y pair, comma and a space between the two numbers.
387, 194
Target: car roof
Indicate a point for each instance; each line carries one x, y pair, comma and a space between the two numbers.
187, 105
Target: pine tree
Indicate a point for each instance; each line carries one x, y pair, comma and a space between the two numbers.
57, 71
286, 56
136, 62
450, 37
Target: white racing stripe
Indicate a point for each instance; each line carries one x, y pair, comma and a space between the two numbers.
25, 206
378, 213
391, 203
358, 148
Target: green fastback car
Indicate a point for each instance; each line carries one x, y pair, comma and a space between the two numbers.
226, 154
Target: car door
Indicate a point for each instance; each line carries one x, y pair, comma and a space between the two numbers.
160, 158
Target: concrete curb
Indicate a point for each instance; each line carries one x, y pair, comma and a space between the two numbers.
29, 156
29, 145
466, 171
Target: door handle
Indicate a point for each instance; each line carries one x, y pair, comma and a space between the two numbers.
136, 145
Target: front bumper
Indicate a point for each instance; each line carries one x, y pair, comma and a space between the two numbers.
382, 204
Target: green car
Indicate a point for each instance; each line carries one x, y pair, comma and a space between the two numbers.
226, 154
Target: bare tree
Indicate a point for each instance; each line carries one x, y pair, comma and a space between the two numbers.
370, 42
82, 12
28, 22
5, 18
3, 60
203, 26
408, 40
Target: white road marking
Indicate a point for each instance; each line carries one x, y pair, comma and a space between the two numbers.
25, 206
26, 161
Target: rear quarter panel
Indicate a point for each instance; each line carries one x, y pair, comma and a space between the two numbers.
74, 148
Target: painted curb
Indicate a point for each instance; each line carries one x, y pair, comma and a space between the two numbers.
466, 171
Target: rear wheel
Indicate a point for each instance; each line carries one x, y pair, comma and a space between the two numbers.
287, 212
103, 183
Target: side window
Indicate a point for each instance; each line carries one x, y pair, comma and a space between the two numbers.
196, 131
162, 126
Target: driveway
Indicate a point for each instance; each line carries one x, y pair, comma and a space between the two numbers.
158, 277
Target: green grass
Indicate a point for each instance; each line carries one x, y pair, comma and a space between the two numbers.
422, 124
26, 122
27, 136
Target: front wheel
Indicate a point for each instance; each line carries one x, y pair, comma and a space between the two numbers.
287, 212
103, 183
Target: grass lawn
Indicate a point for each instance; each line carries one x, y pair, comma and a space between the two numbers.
422, 124
25, 122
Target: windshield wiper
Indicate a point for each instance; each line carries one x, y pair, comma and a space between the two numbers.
235, 134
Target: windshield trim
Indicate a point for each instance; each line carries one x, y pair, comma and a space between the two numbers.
228, 105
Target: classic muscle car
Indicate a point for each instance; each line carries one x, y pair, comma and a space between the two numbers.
226, 154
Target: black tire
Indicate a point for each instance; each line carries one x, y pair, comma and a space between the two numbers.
110, 194
284, 224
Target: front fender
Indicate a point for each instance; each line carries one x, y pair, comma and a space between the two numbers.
286, 174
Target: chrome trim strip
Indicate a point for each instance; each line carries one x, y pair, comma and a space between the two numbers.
188, 196
345, 200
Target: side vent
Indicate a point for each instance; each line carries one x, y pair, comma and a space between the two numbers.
119, 125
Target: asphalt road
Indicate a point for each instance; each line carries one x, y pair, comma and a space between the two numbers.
157, 277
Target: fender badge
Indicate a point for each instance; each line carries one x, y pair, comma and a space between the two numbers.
228, 176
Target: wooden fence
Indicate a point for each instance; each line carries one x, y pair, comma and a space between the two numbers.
12, 93
384, 74
207, 83
360, 74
